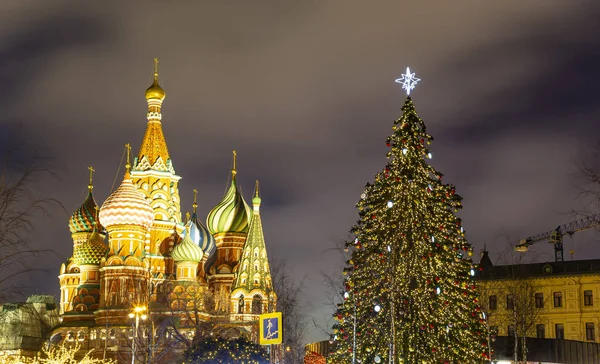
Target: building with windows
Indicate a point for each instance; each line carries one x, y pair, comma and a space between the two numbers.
554, 300
26, 326
142, 276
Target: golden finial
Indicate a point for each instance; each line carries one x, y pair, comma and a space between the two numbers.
92, 170
195, 205
233, 170
128, 165
155, 92
155, 69
256, 199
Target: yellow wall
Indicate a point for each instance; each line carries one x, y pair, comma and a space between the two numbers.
573, 314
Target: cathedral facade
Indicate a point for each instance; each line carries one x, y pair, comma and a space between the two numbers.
143, 273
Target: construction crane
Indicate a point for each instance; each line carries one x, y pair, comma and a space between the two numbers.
556, 236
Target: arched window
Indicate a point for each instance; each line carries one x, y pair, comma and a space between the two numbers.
257, 305
241, 304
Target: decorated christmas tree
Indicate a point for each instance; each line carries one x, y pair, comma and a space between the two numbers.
409, 294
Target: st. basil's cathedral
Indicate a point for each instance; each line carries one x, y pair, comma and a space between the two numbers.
136, 256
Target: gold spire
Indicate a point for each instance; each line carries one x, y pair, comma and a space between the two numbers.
154, 144
128, 165
195, 205
256, 199
233, 170
92, 170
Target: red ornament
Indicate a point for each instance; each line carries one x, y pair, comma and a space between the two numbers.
387, 144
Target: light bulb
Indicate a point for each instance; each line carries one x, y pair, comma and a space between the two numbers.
390, 204
377, 308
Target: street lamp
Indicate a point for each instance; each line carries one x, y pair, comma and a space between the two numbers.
138, 313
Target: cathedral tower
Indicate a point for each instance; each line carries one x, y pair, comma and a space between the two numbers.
88, 257
228, 222
187, 255
252, 293
81, 225
124, 274
153, 174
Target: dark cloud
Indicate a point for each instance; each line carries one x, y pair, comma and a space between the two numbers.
304, 91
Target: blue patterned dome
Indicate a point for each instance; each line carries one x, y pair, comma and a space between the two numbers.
201, 236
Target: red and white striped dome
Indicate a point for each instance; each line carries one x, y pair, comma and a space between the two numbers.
126, 206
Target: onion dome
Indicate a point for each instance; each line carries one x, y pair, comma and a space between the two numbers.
199, 233
126, 206
232, 214
201, 236
92, 251
155, 92
187, 250
83, 219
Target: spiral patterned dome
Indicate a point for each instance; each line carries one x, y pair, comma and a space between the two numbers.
83, 219
201, 236
126, 206
187, 250
231, 215
92, 251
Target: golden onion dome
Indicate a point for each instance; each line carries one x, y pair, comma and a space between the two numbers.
126, 206
155, 92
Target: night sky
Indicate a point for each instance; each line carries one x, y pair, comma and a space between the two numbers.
305, 92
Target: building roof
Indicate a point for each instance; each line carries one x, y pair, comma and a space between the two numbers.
254, 272
547, 269
232, 214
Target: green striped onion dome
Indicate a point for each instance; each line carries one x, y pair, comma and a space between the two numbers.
231, 215
83, 219
187, 251
92, 251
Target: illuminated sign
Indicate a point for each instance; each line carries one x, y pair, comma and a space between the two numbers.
271, 328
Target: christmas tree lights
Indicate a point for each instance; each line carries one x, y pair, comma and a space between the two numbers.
409, 294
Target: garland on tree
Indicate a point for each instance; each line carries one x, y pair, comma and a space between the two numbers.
219, 350
409, 288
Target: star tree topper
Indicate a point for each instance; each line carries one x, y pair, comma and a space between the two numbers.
408, 81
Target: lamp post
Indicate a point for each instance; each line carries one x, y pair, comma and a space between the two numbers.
138, 313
